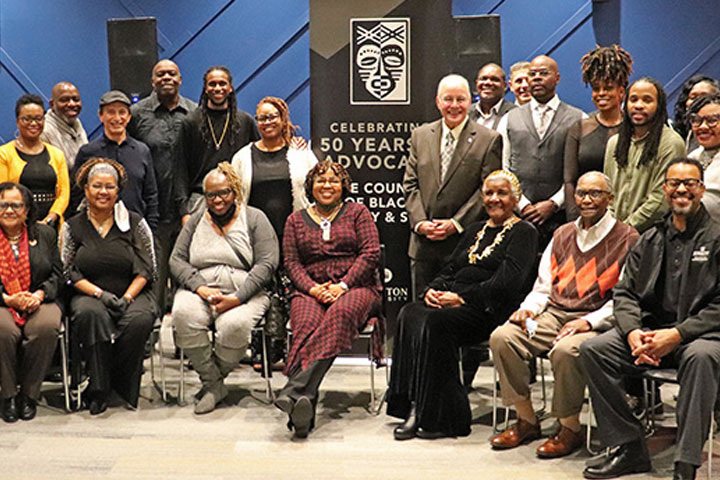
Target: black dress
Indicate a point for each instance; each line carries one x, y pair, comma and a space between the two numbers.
425, 354
41, 179
271, 189
112, 347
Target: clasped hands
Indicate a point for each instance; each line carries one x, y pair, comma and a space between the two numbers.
437, 229
440, 299
650, 346
25, 301
327, 292
219, 302
539, 212
578, 325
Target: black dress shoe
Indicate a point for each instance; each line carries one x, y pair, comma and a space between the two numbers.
424, 434
629, 458
409, 427
97, 406
684, 471
9, 410
27, 407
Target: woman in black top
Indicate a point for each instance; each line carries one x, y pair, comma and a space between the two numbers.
485, 280
108, 255
606, 70
30, 272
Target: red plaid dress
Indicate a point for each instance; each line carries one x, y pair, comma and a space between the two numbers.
351, 256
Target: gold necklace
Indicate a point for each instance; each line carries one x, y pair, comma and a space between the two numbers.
212, 130
473, 256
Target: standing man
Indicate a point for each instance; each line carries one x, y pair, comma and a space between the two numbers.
210, 134
520, 82
139, 194
569, 309
667, 309
449, 160
156, 121
492, 106
534, 147
637, 156
63, 129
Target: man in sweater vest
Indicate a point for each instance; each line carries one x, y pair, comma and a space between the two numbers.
667, 311
570, 302
534, 147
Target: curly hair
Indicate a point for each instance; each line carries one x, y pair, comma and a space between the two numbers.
608, 64
508, 176
28, 99
27, 199
702, 101
680, 123
81, 178
656, 125
233, 179
288, 129
235, 125
319, 169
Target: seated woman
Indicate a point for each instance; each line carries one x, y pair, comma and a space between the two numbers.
30, 271
37, 165
224, 256
108, 255
478, 289
331, 252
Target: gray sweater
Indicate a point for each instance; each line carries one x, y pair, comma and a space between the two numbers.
264, 243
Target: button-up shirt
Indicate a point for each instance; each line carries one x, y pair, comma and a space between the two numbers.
159, 128
487, 120
140, 191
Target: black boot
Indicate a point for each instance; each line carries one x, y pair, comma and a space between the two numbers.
9, 410
684, 471
409, 427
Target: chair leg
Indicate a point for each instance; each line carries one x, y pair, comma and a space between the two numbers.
495, 406
181, 389
66, 380
372, 376
267, 369
710, 440
162, 365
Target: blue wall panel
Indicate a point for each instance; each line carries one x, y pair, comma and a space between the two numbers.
265, 44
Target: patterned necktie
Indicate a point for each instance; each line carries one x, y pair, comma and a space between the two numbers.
544, 116
446, 155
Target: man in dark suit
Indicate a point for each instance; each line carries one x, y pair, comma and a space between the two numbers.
449, 160
534, 147
491, 85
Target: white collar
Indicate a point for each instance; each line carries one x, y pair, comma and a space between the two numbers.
553, 103
493, 110
587, 239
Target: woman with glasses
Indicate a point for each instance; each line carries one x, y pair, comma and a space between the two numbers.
606, 70
37, 165
30, 276
224, 257
331, 253
704, 119
108, 256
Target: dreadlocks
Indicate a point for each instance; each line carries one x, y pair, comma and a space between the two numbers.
656, 125
235, 128
608, 64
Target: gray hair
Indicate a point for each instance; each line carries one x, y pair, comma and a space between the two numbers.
448, 80
519, 66
103, 169
594, 173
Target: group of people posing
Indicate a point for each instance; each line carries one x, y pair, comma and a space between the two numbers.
206, 194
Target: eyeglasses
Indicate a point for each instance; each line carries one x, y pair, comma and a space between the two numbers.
29, 120
595, 194
333, 181
96, 187
539, 73
690, 183
267, 118
222, 193
16, 206
711, 120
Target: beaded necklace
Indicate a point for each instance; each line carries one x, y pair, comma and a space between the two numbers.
473, 256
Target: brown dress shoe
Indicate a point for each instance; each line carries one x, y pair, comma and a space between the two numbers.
564, 443
518, 433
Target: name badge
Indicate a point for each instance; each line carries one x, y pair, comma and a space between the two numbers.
700, 255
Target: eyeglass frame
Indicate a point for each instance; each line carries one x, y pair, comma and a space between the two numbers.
223, 193
683, 181
595, 193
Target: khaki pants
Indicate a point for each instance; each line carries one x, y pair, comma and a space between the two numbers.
512, 350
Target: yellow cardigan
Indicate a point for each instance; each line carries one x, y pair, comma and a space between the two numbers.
12, 166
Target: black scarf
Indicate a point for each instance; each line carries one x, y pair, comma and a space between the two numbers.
224, 219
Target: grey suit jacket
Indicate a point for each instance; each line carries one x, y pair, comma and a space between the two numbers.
505, 107
459, 196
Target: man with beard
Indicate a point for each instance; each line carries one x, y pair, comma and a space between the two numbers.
636, 157
209, 135
156, 121
534, 147
63, 128
667, 309
491, 107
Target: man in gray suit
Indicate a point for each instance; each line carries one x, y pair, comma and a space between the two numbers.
534, 146
491, 85
449, 160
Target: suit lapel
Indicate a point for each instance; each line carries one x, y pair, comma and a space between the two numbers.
435, 146
467, 137
527, 118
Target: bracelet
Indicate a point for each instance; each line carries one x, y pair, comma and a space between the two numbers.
36, 296
128, 297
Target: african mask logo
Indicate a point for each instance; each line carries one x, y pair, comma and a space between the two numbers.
379, 61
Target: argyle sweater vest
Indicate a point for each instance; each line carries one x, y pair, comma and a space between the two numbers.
581, 281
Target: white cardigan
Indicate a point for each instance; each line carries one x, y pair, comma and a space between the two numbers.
299, 162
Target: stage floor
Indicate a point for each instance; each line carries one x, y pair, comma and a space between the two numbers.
246, 438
